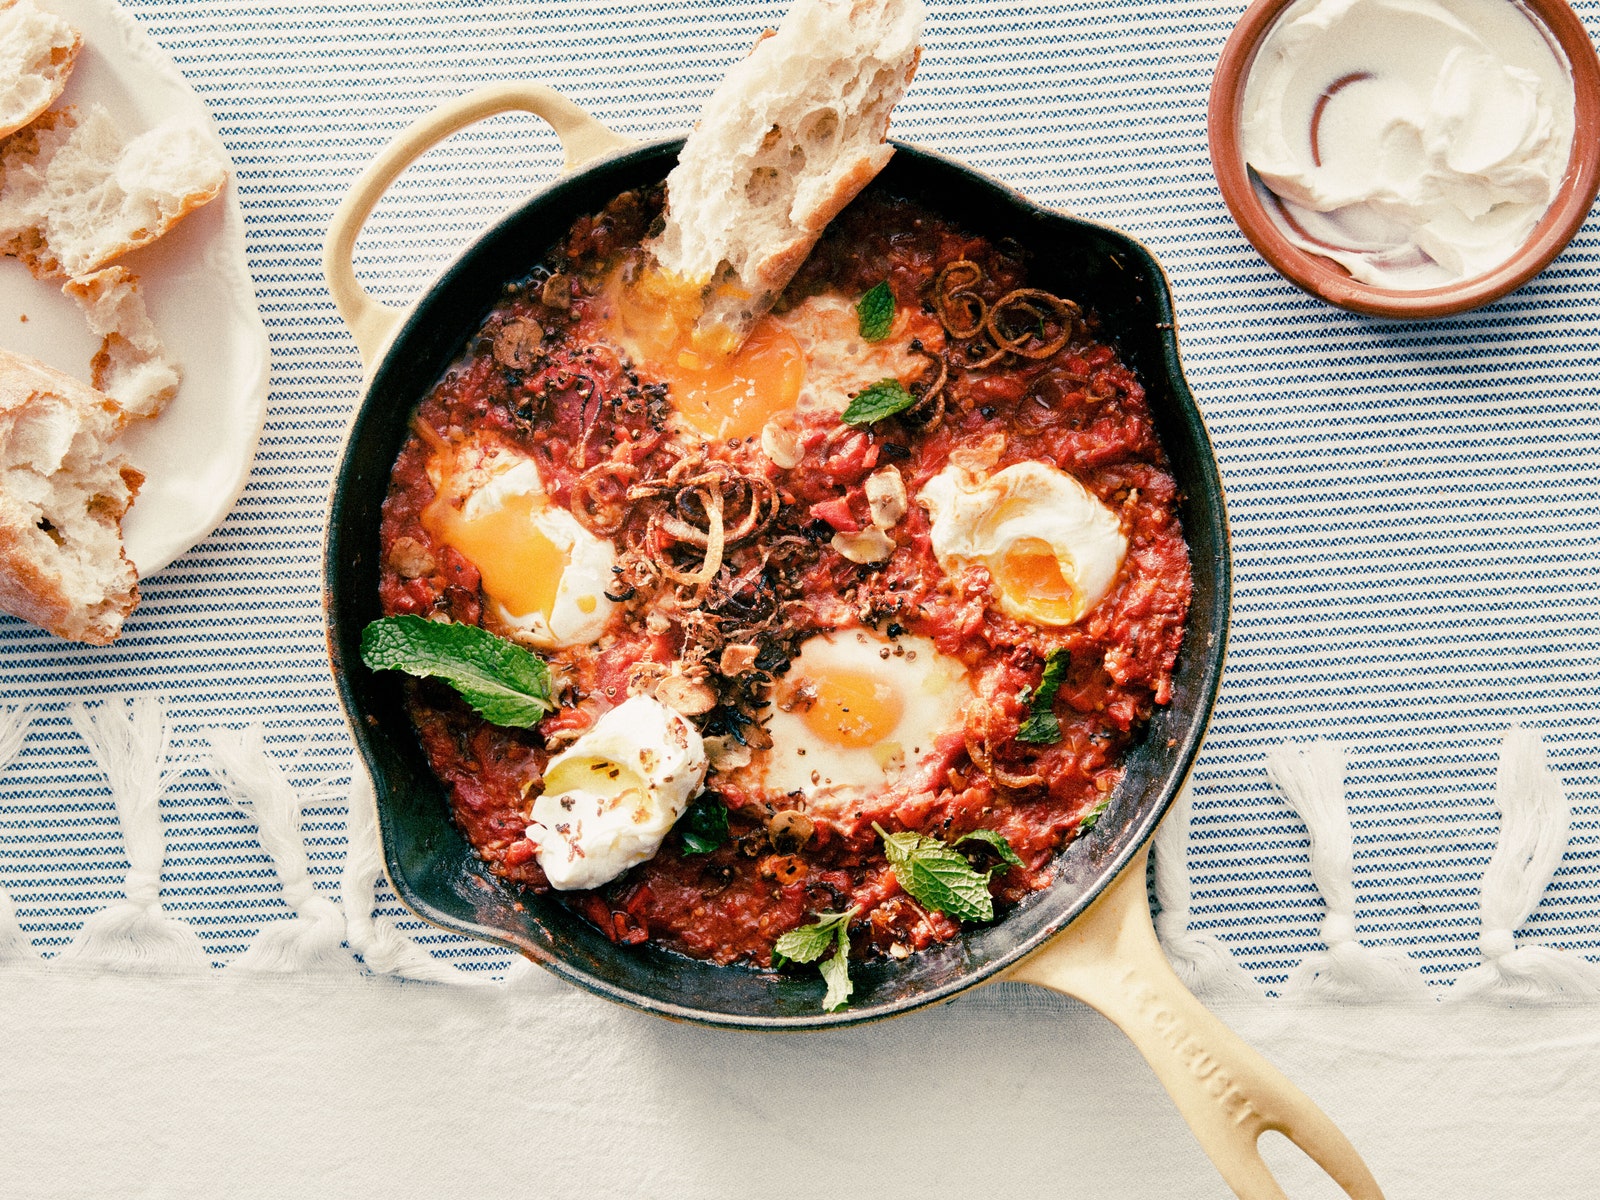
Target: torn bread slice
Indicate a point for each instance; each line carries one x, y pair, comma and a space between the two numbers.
22, 185
37, 52
74, 195
789, 138
64, 487
132, 366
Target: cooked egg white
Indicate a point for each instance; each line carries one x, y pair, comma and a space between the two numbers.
854, 710
838, 361
1052, 549
544, 574
812, 356
610, 797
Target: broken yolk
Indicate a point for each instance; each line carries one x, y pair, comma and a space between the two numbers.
1031, 576
852, 709
520, 567
719, 394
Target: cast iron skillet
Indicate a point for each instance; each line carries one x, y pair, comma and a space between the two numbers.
1108, 956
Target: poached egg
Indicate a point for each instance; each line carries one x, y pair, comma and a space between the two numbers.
853, 712
812, 356
544, 575
1052, 548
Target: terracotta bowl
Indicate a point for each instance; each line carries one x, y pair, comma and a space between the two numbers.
1325, 278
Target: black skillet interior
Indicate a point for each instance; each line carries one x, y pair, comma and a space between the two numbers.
430, 863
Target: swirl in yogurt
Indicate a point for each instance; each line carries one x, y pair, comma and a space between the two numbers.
1415, 142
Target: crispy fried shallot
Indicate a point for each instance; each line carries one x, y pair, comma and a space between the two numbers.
705, 506
928, 411
600, 495
980, 748
961, 310
1027, 322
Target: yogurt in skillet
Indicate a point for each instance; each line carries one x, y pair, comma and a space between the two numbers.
1415, 142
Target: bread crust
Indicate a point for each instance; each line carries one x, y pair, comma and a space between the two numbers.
791, 136
63, 207
43, 67
131, 366
90, 486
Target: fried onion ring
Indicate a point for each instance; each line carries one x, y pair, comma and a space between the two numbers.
925, 415
600, 496
1028, 300
961, 310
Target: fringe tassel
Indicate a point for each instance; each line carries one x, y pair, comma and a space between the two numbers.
14, 944
384, 949
132, 742
1205, 965
1535, 824
525, 975
313, 940
1311, 778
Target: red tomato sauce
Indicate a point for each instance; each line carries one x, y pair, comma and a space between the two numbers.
540, 377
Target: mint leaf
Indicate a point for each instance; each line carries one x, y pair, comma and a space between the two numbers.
875, 313
811, 942
997, 840
1092, 818
877, 401
938, 876
1041, 728
836, 971
703, 826
501, 680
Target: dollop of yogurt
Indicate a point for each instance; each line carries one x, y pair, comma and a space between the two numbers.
1415, 142
610, 797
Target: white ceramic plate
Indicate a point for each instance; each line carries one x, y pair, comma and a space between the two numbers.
196, 455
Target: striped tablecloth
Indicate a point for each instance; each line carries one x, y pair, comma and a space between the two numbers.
1415, 507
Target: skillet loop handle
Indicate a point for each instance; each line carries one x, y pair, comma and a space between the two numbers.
1110, 959
582, 138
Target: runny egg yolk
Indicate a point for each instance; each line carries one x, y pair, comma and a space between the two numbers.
520, 567
850, 709
1030, 574
719, 394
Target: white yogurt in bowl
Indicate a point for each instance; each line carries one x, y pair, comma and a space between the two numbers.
1415, 142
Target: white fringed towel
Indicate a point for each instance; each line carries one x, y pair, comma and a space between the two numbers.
14, 723
1200, 959
383, 948
1535, 824
132, 744
314, 938
1311, 779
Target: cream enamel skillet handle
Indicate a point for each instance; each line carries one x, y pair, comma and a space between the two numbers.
582, 138
1109, 958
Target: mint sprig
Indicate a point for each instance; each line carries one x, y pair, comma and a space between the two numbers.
504, 683
939, 877
995, 838
811, 942
703, 826
1092, 818
875, 313
877, 401
1041, 728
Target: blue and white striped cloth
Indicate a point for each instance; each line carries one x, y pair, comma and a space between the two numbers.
1415, 507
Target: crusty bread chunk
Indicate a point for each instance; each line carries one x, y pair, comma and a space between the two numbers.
74, 196
64, 488
789, 138
132, 366
22, 187
37, 51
